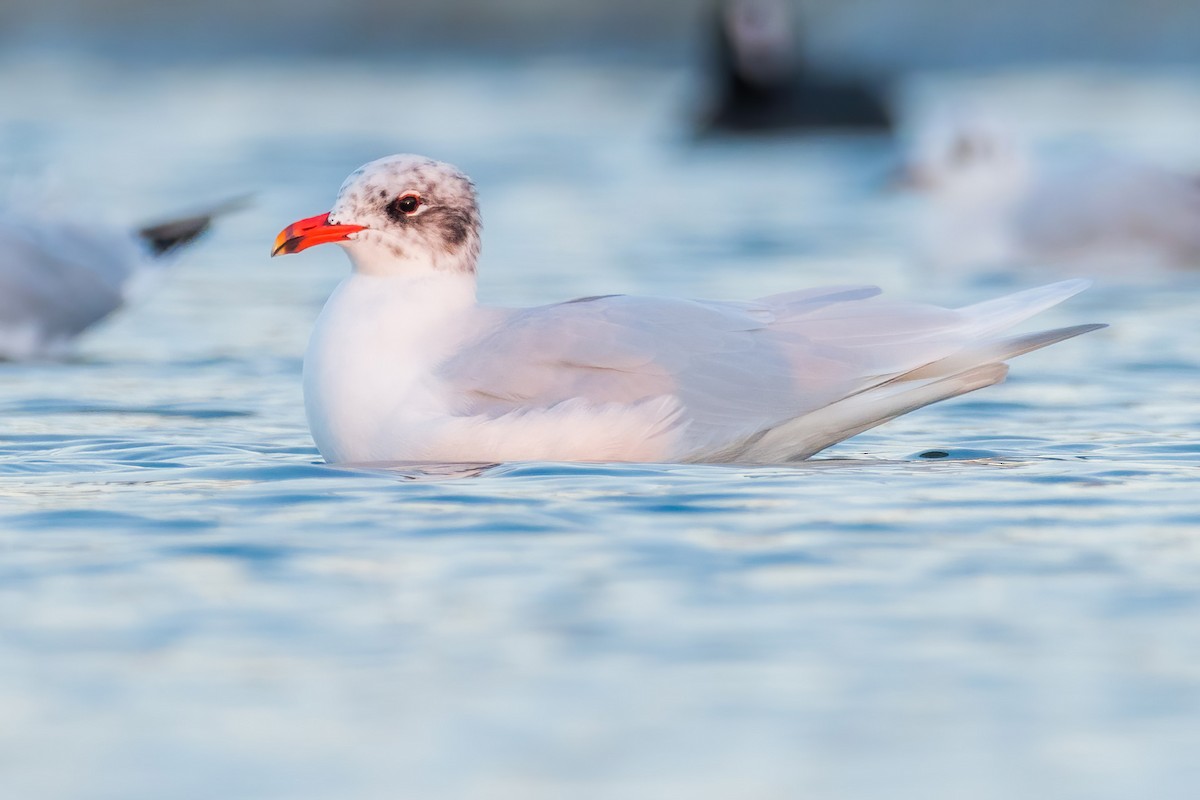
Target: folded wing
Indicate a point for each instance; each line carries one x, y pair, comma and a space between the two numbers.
772, 379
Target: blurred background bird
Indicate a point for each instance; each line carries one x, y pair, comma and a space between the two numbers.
762, 82
993, 197
60, 275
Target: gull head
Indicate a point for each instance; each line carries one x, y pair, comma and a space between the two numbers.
399, 215
757, 35
968, 157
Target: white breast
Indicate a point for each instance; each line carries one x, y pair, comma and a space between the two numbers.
368, 391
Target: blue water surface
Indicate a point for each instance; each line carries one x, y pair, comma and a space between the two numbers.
995, 597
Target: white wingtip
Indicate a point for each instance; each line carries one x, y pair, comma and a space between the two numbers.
1001, 313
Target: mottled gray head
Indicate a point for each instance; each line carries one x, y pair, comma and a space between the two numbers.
417, 215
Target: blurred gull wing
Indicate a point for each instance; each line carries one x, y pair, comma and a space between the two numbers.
58, 279
169, 235
59, 276
1105, 202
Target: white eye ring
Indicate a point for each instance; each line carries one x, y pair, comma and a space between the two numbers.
408, 204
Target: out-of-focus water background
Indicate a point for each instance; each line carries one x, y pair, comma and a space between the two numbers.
993, 597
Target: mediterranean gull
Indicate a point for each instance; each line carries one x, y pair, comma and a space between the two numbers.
405, 366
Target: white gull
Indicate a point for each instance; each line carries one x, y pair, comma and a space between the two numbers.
61, 275
405, 366
995, 200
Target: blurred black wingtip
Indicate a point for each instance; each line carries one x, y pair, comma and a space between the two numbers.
169, 235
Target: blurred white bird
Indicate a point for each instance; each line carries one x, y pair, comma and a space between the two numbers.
59, 276
404, 365
993, 200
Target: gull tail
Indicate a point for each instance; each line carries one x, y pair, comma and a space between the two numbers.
170, 235
978, 364
992, 316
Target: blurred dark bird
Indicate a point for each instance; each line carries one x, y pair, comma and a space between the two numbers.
58, 276
763, 84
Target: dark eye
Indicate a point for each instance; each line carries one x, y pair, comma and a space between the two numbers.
405, 204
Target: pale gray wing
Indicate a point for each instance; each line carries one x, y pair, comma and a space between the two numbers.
735, 368
747, 380
616, 348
